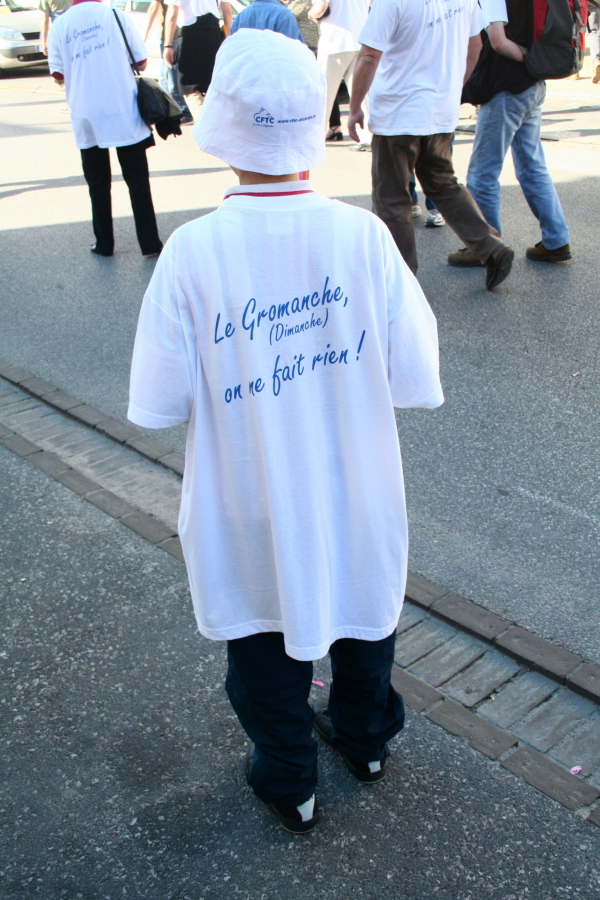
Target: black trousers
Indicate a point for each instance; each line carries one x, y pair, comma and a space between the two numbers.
134, 166
269, 692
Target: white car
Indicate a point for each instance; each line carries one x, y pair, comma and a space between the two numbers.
20, 35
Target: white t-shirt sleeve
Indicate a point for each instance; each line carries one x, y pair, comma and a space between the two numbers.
380, 25
494, 11
413, 351
478, 20
55, 60
161, 392
138, 48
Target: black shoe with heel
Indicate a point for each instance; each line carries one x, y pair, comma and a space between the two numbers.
366, 773
295, 819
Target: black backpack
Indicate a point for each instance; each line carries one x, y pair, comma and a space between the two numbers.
558, 38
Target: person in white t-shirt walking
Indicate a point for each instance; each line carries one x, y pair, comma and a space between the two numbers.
201, 37
285, 327
414, 59
86, 50
338, 46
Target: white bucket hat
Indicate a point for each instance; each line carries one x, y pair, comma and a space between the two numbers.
265, 108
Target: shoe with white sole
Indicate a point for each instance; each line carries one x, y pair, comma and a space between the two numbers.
366, 773
295, 819
434, 219
416, 211
363, 145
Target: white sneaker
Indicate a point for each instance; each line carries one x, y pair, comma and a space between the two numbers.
416, 211
362, 146
434, 219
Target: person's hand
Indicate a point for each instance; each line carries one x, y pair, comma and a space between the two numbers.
354, 119
45, 48
168, 56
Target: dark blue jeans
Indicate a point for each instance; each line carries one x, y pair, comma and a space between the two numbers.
269, 692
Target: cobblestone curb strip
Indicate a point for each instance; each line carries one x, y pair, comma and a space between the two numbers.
509, 693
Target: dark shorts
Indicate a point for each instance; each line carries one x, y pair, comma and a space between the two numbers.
200, 43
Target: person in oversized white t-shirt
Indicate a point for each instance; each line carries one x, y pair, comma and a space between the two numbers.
414, 59
285, 327
87, 51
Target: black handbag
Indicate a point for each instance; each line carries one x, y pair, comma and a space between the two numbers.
156, 106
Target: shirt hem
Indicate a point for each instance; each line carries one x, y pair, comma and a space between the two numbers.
151, 420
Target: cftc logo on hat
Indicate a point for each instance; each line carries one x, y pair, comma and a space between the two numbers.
264, 119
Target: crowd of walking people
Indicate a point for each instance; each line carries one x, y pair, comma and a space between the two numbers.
293, 519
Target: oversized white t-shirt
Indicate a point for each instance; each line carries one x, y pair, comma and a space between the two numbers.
87, 47
341, 28
418, 84
192, 9
284, 327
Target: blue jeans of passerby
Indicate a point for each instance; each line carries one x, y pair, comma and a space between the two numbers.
269, 692
169, 82
514, 120
413, 193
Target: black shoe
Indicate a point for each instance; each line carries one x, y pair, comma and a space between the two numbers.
498, 268
95, 249
154, 253
361, 771
293, 818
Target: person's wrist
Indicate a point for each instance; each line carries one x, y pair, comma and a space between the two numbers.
168, 46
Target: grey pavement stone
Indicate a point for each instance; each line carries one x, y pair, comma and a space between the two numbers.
13, 373
481, 735
538, 652
417, 695
72, 443
448, 659
587, 678
77, 482
480, 679
19, 445
63, 401
174, 461
101, 468
581, 748
471, 616
7, 388
100, 450
4, 430
149, 447
38, 386
421, 639
111, 504
9, 403
119, 431
410, 615
88, 414
149, 528
48, 462
517, 699
148, 487
421, 591
546, 725
594, 816
173, 546
21, 418
551, 779
46, 427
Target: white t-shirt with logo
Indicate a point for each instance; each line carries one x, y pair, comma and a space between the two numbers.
284, 327
87, 47
192, 9
418, 84
341, 28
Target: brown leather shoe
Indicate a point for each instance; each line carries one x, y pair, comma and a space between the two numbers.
464, 259
542, 254
498, 268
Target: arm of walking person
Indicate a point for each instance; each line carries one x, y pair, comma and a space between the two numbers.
227, 16
362, 79
170, 28
153, 11
45, 30
473, 54
503, 44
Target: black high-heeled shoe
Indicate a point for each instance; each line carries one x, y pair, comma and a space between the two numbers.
335, 136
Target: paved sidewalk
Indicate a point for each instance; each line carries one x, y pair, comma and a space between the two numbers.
122, 761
